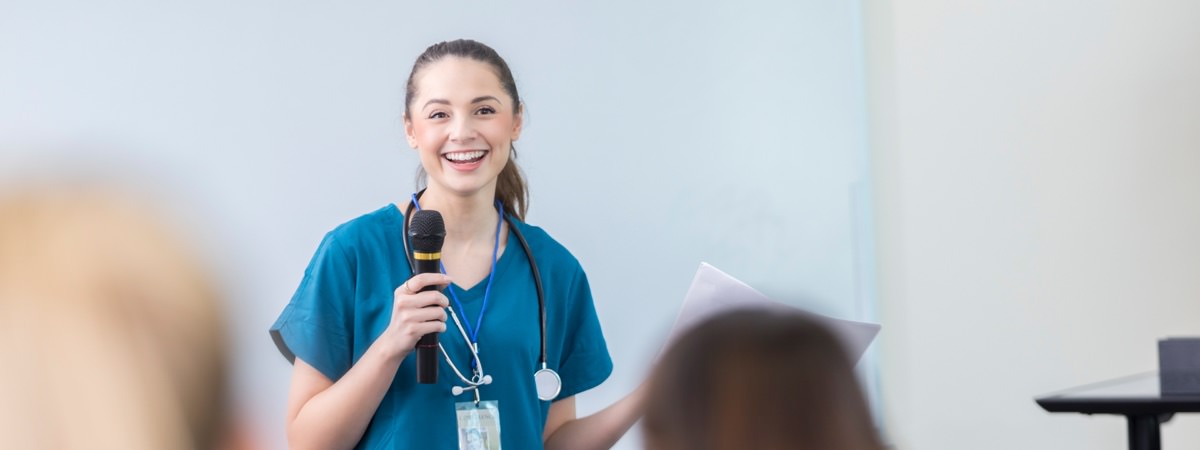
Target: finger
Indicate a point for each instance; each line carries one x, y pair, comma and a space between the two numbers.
431, 327
431, 299
426, 315
441, 300
420, 281
406, 288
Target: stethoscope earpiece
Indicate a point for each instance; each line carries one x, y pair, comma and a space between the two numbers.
458, 390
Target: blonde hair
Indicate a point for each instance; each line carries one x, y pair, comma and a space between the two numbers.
110, 333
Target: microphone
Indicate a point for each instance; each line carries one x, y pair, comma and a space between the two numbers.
427, 232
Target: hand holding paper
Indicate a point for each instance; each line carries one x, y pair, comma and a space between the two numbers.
714, 292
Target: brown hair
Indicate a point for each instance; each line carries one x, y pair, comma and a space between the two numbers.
111, 334
759, 379
511, 189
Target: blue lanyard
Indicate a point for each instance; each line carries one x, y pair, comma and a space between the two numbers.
474, 331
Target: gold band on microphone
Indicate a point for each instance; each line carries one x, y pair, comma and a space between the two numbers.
427, 256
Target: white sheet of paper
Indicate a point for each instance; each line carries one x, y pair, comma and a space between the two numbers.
714, 292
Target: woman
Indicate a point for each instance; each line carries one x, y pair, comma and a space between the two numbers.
759, 379
359, 311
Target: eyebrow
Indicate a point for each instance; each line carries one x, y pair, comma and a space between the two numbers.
441, 101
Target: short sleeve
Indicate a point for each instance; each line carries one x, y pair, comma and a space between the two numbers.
585, 359
316, 325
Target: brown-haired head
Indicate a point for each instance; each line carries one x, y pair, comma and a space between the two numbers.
511, 189
757, 379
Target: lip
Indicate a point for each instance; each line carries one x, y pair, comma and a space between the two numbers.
468, 166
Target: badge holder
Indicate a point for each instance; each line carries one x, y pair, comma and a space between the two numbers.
478, 425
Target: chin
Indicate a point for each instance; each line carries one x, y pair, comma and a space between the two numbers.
465, 188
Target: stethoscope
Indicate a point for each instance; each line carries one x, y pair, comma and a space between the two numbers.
546, 380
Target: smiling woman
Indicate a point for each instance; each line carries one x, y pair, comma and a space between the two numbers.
352, 325
469, 112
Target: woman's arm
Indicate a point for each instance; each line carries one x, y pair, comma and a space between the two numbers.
323, 414
327, 415
601, 430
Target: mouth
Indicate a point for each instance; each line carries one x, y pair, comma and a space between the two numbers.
465, 157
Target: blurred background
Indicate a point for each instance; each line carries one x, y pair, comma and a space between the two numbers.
1037, 170
1009, 187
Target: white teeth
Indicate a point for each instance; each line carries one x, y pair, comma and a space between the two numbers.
464, 156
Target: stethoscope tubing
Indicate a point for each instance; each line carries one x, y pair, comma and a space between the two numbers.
537, 283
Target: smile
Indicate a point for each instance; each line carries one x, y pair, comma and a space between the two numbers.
465, 157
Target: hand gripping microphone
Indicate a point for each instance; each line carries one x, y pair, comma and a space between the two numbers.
427, 232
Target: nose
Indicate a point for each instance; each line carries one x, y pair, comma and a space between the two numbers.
462, 130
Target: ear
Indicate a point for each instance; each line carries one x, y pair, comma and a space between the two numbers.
408, 132
518, 122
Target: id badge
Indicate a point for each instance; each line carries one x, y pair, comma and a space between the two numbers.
478, 425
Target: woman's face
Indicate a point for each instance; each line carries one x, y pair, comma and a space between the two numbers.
462, 125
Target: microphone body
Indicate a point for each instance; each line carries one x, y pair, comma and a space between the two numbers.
427, 232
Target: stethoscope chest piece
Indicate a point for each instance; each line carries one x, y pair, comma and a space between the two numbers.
548, 384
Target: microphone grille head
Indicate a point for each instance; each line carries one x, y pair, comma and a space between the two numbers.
427, 231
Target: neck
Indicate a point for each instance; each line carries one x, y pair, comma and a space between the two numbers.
468, 218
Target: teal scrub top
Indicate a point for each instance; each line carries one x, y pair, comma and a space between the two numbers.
345, 301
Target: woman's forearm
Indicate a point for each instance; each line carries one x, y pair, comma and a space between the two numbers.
603, 429
337, 417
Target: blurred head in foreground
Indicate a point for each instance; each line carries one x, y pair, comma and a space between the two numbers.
110, 333
757, 379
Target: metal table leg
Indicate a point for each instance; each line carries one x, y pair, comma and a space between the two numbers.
1144, 431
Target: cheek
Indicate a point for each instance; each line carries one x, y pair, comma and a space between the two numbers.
500, 130
426, 136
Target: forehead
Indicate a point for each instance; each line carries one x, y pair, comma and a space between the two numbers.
453, 78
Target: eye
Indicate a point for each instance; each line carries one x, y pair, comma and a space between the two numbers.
485, 110
438, 115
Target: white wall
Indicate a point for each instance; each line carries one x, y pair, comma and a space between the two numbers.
1037, 168
728, 133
